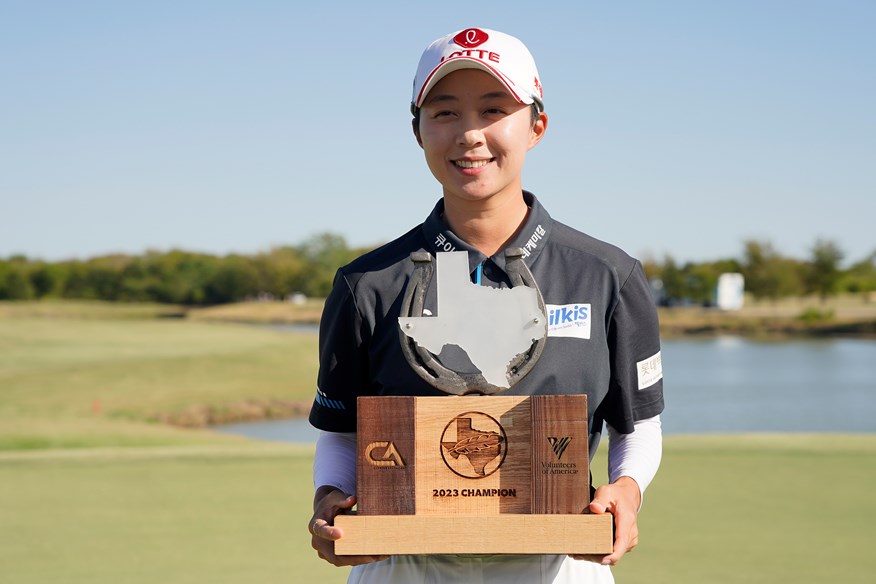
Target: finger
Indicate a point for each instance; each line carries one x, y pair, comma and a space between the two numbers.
333, 508
597, 559
610, 559
598, 507
325, 550
347, 503
602, 501
625, 525
333, 504
323, 517
349, 560
325, 534
626, 536
322, 529
354, 560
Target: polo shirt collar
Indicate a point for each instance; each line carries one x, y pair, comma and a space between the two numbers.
532, 237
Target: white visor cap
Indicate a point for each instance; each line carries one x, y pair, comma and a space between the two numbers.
501, 55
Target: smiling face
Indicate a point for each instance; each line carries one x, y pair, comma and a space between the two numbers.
475, 136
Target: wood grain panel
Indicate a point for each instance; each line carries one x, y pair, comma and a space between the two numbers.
386, 460
506, 534
560, 465
473, 455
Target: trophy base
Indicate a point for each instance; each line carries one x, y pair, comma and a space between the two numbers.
473, 475
454, 534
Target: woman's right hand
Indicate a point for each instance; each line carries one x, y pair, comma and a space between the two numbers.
328, 502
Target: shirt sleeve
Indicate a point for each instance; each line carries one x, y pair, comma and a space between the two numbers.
636, 385
343, 361
334, 462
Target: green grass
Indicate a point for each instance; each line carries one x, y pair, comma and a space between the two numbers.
780, 508
87, 382
159, 515
101, 494
87, 309
786, 508
265, 312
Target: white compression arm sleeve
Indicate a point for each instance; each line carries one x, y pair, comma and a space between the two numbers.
334, 463
636, 455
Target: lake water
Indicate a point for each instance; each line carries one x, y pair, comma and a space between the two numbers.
731, 384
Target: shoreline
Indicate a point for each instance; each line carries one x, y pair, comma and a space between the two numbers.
671, 326
790, 318
767, 323
806, 317
202, 416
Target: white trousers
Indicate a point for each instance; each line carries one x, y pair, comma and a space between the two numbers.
493, 569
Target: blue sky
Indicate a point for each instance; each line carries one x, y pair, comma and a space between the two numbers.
676, 127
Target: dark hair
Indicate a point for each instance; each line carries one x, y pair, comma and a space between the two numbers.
533, 117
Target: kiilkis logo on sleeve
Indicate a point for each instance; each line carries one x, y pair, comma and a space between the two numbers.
569, 320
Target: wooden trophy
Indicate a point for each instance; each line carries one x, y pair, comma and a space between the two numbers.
473, 472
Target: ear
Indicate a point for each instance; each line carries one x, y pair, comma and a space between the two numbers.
538, 129
416, 127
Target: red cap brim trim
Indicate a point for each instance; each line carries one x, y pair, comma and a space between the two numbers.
480, 65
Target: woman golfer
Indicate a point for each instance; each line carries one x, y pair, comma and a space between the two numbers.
478, 109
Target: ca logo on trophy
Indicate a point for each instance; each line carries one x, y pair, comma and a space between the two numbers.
511, 465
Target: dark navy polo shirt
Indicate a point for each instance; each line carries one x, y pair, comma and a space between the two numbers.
603, 337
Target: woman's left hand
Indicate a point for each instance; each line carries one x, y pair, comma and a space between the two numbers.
622, 499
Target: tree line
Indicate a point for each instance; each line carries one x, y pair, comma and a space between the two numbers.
768, 274
180, 277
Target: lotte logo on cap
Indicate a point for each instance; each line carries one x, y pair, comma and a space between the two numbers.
471, 38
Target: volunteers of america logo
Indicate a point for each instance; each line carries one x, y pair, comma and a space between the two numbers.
473, 445
559, 444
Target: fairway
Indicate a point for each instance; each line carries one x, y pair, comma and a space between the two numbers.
748, 508
94, 489
724, 509
78, 382
185, 515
